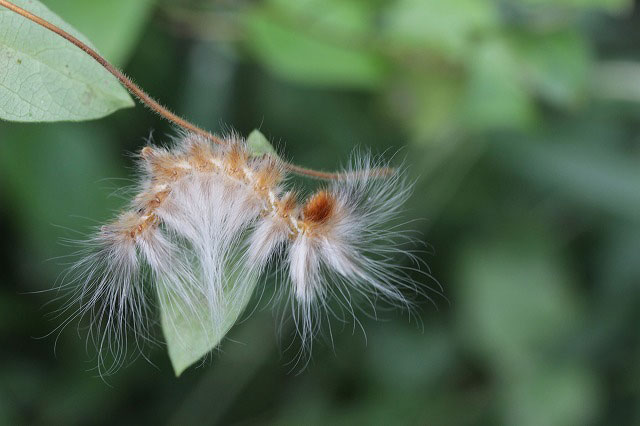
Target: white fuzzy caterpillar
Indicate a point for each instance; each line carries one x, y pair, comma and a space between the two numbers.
199, 204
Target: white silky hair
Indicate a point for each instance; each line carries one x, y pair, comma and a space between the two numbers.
361, 252
211, 216
107, 286
208, 217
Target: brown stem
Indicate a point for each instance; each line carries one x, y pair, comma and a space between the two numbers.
152, 103
317, 174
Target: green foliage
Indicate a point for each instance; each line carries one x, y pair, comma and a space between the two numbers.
441, 27
280, 45
519, 304
411, 48
518, 310
610, 5
495, 97
597, 177
555, 66
55, 147
112, 25
48, 79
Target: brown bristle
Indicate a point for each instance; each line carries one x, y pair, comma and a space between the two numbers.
141, 225
319, 207
235, 158
268, 176
128, 223
199, 156
288, 203
157, 199
163, 167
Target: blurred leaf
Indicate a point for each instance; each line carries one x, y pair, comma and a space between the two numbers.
188, 330
434, 106
598, 177
351, 18
113, 25
295, 54
46, 78
259, 145
610, 5
450, 27
496, 97
401, 359
515, 298
555, 65
618, 80
519, 311
53, 179
568, 394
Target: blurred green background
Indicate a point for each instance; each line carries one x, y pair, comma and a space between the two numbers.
520, 121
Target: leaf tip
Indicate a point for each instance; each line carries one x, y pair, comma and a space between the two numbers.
259, 145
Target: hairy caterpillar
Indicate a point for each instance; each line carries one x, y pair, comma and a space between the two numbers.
208, 208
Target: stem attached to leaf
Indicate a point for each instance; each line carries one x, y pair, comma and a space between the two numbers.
155, 105
126, 81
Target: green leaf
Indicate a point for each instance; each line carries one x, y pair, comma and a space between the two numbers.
259, 145
449, 27
496, 97
555, 65
434, 110
567, 391
613, 6
344, 18
306, 56
54, 182
114, 26
516, 298
46, 78
188, 332
595, 176
617, 80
